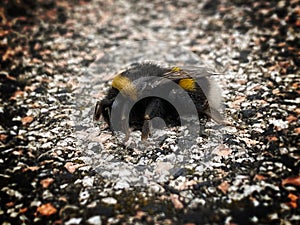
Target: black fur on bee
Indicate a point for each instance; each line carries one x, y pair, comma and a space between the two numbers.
196, 82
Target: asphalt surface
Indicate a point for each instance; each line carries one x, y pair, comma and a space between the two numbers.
58, 167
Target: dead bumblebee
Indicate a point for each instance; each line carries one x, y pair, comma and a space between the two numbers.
145, 91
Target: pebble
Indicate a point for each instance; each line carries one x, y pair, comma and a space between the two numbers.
88, 181
156, 188
258, 67
94, 220
73, 221
122, 184
12, 193
109, 201
83, 197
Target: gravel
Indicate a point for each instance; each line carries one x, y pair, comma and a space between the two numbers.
57, 166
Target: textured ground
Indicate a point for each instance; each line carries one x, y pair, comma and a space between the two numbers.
57, 167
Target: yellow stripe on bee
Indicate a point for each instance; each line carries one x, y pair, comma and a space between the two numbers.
119, 82
125, 86
176, 69
187, 84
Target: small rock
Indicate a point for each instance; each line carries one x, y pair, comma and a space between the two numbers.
122, 184
88, 181
73, 221
109, 200
95, 220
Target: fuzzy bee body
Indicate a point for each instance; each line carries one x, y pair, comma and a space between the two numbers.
139, 84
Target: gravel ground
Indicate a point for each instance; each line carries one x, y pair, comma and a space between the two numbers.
58, 167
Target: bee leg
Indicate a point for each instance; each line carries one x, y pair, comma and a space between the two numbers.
125, 122
127, 132
108, 112
202, 132
216, 116
153, 109
146, 128
97, 111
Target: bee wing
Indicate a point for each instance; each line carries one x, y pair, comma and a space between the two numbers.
190, 72
200, 71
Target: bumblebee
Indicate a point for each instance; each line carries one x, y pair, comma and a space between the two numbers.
133, 95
